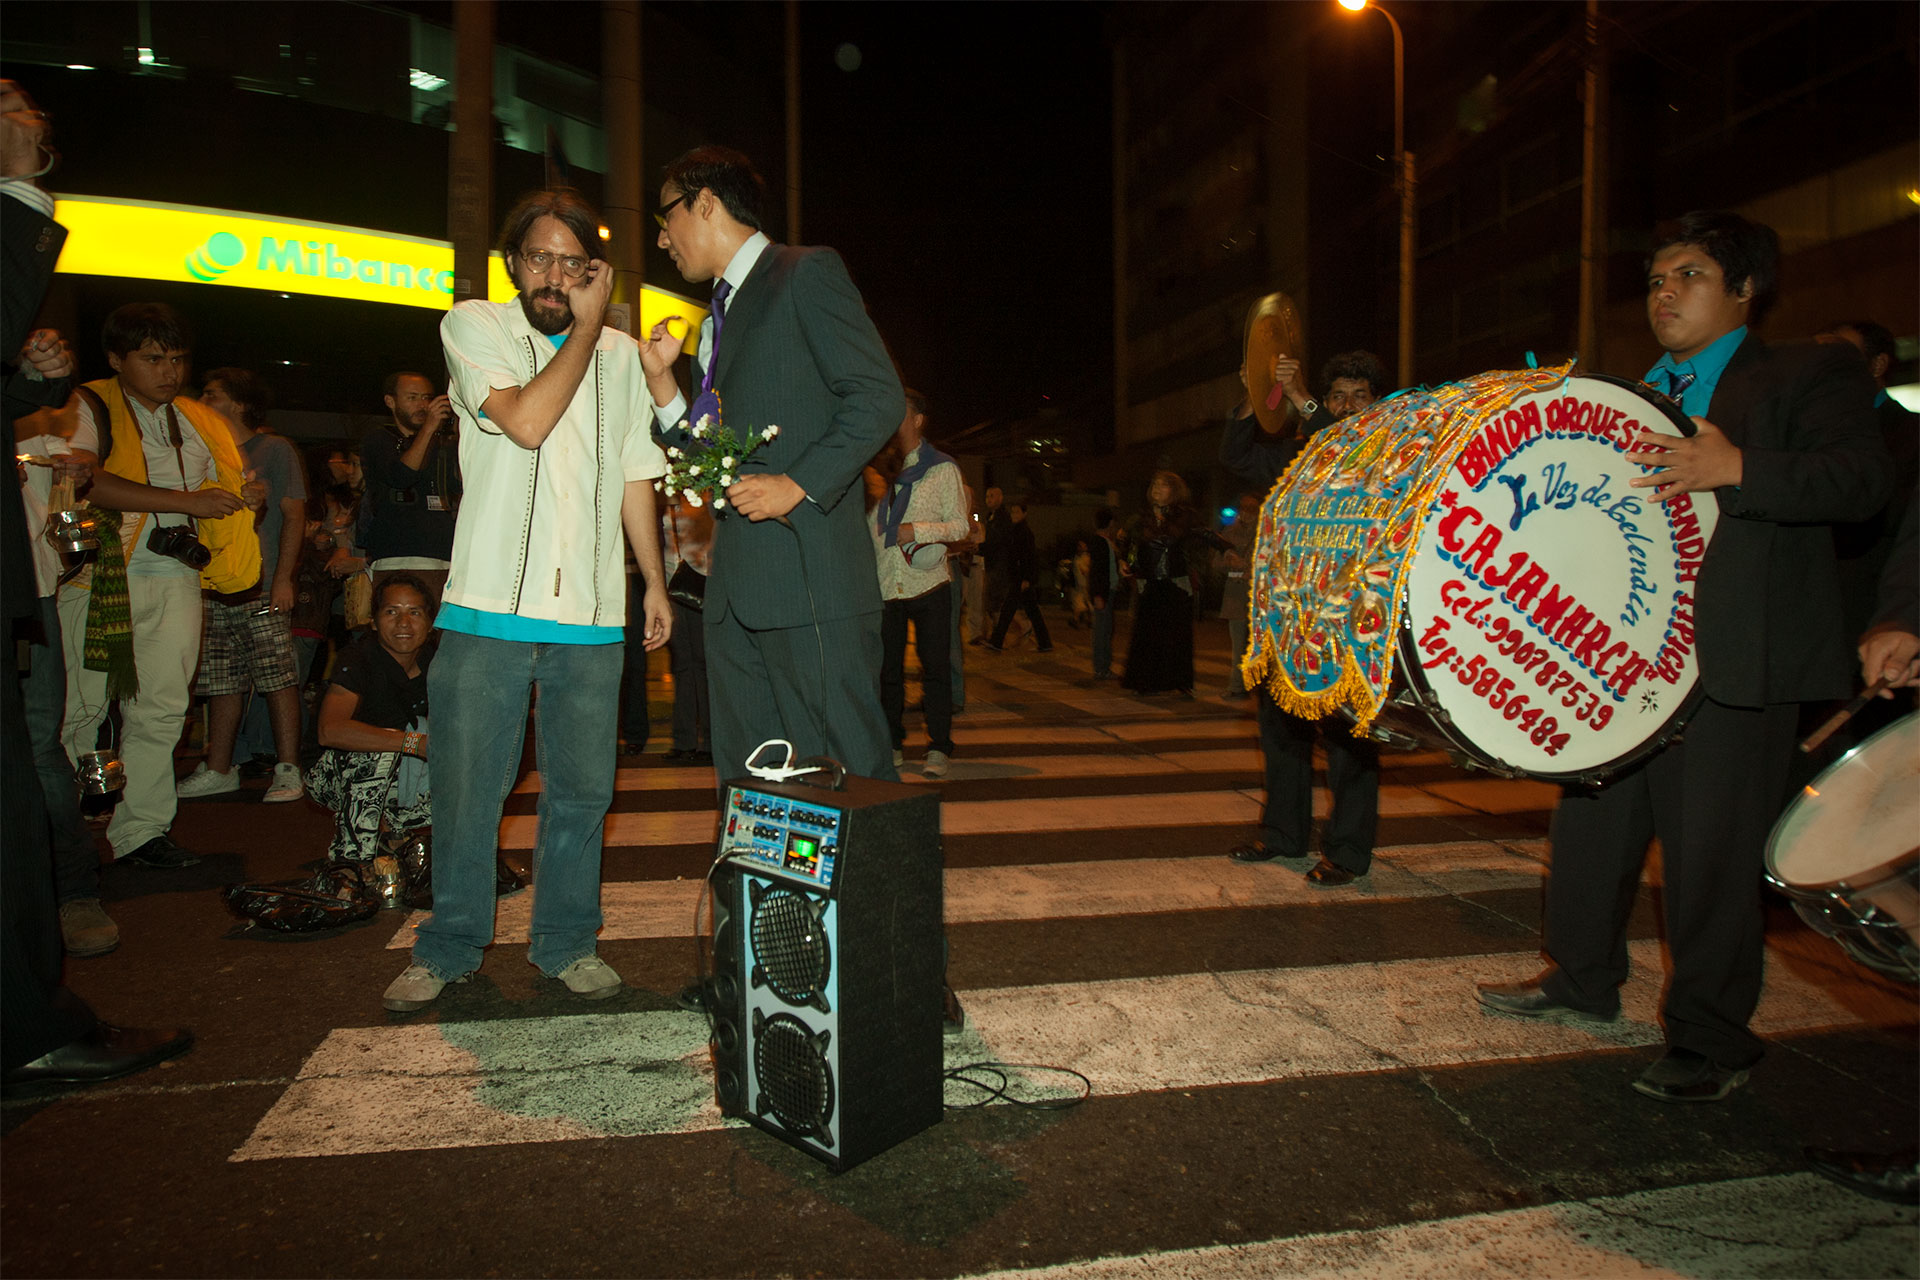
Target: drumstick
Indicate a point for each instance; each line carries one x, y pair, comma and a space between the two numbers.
1843, 715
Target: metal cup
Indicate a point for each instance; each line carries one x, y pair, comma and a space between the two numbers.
388, 880
73, 532
100, 772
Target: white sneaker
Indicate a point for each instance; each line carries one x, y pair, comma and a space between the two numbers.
287, 785
936, 766
590, 976
206, 782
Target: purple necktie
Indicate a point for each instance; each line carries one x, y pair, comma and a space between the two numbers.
720, 292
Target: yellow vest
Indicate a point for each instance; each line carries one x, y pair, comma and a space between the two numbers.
232, 540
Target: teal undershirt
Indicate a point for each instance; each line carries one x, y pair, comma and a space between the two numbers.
511, 626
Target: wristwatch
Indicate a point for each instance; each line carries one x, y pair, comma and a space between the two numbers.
1310, 408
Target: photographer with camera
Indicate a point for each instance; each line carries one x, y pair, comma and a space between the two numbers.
167, 467
412, 470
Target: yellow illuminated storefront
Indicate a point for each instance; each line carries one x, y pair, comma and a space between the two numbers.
142, 240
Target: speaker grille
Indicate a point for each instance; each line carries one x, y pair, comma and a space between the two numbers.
791, 948
796, 1081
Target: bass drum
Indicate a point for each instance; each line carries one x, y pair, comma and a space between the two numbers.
1547, 618
1845, 851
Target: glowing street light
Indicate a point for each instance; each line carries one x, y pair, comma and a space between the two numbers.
1403, 161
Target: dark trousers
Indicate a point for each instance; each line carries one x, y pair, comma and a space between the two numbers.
1103, 638
1018, 598
816, 686
931, 615
1711, 798
76, 861
635, 725
37, 1012
687, 652
1353, 775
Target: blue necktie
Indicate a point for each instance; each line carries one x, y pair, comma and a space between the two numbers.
1678, 382
720, 292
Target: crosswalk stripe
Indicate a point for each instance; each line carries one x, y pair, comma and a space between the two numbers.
966, 768
1079, 813
1742, 1227
518, 1080
1069, 890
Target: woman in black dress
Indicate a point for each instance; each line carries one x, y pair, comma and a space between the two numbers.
1160, 652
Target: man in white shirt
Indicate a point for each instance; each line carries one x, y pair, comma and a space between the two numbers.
557, 457
923, 509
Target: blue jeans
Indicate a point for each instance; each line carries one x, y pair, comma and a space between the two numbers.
478, 690
76, 862
1103, 638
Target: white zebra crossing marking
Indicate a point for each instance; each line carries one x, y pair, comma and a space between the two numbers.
1786, 1225
1081, 813
1110, 887
515, 1080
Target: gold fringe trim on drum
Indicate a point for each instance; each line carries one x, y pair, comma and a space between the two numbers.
1337, 537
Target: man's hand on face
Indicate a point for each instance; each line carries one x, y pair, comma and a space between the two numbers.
765, 497
588, 298
439, 413
23, 134
1706, 461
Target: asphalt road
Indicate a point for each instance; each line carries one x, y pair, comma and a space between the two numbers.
1282, 1079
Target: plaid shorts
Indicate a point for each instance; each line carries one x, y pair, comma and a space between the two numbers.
243, 647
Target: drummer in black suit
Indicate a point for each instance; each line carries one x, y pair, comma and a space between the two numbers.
1787, 444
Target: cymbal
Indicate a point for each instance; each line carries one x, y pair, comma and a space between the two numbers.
1273, 329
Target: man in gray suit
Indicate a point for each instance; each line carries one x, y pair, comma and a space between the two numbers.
792, 611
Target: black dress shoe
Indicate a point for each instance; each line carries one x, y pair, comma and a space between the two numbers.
1681, 1075
163, 853
1530, 1000
1327, 875
1254, 851
104, 1053
679, 754
953, 1019
1894, 1178
694, 997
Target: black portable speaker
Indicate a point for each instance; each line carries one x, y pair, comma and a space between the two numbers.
828, 952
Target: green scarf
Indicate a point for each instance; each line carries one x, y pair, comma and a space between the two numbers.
109, 640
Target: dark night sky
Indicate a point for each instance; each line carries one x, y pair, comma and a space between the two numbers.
963, 169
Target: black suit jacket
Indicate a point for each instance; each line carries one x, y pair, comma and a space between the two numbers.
29, 246
799, 352
1767, 604
1259, 459
1100, 566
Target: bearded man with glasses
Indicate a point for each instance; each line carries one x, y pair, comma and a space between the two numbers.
557, 456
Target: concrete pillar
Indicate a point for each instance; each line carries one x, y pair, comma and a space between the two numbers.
627, 199
470, 171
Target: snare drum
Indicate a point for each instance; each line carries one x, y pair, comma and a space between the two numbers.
1845, 851
1468, 568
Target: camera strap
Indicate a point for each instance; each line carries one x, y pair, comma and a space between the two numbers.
176, 440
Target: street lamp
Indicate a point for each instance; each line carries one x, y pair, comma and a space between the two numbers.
1403, 164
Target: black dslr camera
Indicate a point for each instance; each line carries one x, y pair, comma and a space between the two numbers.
177, 542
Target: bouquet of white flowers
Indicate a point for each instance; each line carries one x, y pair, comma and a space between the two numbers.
708, 467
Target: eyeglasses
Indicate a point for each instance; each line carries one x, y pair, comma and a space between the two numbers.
660, 214
542, 262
